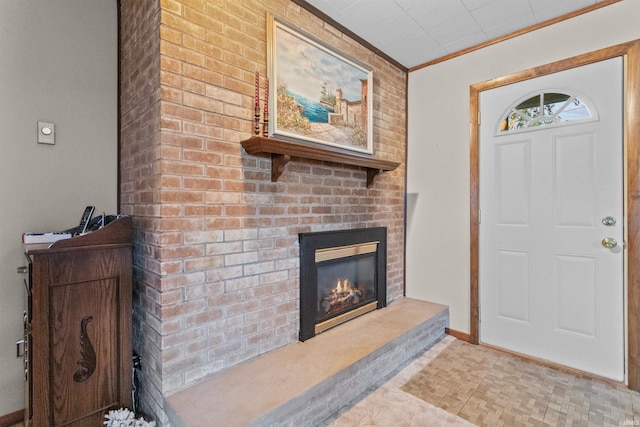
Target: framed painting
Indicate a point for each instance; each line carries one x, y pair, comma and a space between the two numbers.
320, 95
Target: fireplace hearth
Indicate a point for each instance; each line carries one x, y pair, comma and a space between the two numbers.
342, 275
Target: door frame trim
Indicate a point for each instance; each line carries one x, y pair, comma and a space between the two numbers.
630, 52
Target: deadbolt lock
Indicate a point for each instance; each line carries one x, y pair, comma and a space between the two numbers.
609, 221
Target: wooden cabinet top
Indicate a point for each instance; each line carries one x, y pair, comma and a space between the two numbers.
117, 232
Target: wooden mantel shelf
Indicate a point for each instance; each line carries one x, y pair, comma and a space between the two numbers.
281, 152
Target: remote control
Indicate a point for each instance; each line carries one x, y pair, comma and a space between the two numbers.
84, 221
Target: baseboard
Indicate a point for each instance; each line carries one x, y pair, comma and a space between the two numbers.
12, 418
463, 336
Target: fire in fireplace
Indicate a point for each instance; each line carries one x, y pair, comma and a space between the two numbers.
341, 297
342, 276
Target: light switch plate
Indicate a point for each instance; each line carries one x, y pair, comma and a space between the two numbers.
46, 133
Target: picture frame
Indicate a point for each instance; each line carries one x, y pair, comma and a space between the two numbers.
319, 95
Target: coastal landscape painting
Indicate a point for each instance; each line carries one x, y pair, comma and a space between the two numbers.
320, 95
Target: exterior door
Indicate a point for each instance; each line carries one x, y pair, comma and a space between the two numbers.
551, 218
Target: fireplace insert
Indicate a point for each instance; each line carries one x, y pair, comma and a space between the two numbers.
343, 274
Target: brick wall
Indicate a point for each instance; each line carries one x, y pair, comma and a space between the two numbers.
216, 258
140, 179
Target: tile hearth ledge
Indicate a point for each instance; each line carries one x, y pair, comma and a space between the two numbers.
269, 388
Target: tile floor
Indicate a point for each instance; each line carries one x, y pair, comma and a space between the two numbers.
458, 384
388, 405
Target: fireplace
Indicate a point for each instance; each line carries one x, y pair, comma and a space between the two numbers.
343, 274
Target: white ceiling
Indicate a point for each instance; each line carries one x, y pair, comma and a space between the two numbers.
414, 32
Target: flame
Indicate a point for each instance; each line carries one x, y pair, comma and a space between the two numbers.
342, 287
341, 297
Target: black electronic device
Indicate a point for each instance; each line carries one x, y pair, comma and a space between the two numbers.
100, 221
84, 221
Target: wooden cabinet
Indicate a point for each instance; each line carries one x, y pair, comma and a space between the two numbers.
78, 328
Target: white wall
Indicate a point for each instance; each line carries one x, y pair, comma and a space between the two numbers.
58, 63
438, 152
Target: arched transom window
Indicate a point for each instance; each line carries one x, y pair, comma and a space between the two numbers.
546, 109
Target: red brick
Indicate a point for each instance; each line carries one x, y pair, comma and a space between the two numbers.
207, 184
202, 74
171, 6
180, 309
178, 224
183, 25
204, 263
168, 123
181, 112
203, 103
181, 196
203, 157
201, 19
223, 223
202, 47
171, 34
193, 86
181, 168
224, 299
202, 130
212, 341
202, 210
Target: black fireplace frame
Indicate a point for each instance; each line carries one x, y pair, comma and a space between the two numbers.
310, 242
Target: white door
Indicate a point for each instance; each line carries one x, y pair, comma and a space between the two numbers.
549, 195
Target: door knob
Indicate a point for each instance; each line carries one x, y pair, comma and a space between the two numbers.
609, 242
609, 221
